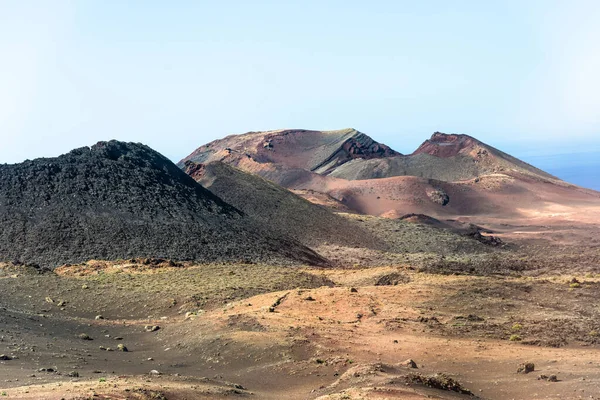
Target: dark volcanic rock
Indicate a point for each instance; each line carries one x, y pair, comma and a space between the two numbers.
122, 200
439, 196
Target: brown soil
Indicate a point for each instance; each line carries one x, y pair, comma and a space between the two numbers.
345, 332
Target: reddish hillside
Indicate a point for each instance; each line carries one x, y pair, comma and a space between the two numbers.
291, 156
448, 175
443, 145
447, 146
318, 151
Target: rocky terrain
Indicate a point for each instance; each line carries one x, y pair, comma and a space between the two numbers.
122, 200
477, 279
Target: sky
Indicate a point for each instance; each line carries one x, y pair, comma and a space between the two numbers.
519, 75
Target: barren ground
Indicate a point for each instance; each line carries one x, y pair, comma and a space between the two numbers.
344, 332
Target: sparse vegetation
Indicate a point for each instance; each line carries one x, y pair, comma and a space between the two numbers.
517, 327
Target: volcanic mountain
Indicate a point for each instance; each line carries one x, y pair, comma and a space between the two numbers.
316, 151
280, 209
443, 157
293, 156
350, 154
448, 175
123, 200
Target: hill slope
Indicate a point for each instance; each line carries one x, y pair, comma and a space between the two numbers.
315, 151
278, 208
447, 176
442, 157
123, 200
290, 157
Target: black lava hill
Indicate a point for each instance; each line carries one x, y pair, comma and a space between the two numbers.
120, 200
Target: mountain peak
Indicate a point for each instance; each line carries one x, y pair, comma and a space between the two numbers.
316, 151
447, 145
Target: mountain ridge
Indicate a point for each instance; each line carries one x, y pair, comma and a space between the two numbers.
351, 154
448, 175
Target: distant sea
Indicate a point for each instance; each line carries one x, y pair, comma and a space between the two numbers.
582, 169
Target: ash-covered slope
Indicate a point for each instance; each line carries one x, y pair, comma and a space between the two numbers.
315, 151
443, 145
122, 200
279, 209
292, 158
467, 175
445, 157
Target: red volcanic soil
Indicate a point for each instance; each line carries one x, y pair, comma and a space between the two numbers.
443, 145
313, 150
293, 148
494, 196
448, 176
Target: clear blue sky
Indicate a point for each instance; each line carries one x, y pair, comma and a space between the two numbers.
523, 76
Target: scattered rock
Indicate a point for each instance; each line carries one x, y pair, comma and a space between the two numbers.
74, 374
121, 347
392, 279
154, 372
99, 317
353, 290
549, 378
438, 196
84, 336
149, 394
151, 328
486, 239
4, 357
49, 300
470, 318
190, 314
61, 303
526, 368
85, 287
428, 320
410, 363
438, 381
